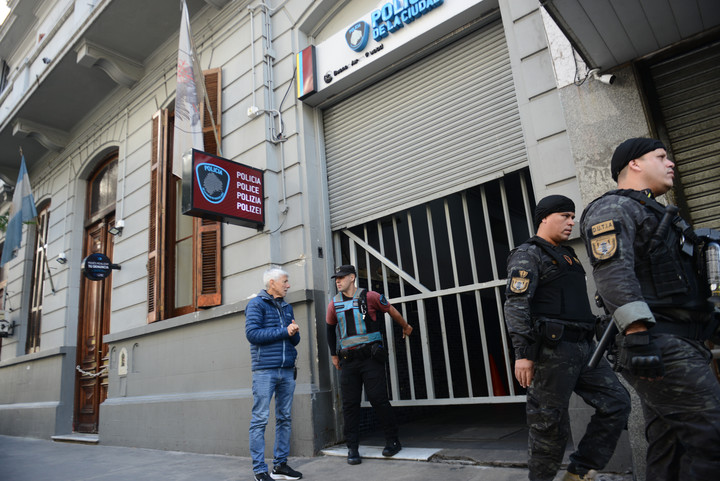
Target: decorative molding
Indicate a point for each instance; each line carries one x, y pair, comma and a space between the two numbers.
217, 3
48, 137
121, 69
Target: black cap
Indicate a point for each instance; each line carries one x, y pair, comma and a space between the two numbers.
629, 150
345, 270
551, 204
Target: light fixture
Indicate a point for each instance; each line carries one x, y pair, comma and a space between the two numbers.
117, 228
61, 258
607, 79
6, 328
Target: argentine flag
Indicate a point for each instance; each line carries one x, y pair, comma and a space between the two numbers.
22, 210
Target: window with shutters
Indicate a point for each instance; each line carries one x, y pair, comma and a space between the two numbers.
38, 279
184, 253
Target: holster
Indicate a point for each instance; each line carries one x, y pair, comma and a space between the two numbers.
379, 353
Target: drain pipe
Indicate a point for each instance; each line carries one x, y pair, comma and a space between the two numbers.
276, 131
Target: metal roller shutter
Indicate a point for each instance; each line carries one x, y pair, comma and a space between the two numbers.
438, 126
688, 89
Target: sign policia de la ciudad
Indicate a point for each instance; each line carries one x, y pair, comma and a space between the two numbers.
364, 42
393, 15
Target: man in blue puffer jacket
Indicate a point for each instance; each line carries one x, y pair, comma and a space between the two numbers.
273, 334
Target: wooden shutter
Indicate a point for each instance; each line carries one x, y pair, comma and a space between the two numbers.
156, 236
214, 88
208, 238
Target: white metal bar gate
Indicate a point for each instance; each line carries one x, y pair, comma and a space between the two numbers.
442, 265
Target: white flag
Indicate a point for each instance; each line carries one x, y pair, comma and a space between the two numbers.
188, 116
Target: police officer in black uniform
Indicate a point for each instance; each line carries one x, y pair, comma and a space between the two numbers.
647, 271
551, 325
356, 317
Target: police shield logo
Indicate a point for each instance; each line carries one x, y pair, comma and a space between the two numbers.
357, 36
604, 247
213, 182
519, 282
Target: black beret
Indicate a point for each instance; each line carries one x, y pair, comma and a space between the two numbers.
551, 204
629, 150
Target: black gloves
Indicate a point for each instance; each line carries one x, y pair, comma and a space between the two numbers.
639, 355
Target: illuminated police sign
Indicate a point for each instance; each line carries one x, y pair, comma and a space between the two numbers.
388, 19
219, 189
393, 16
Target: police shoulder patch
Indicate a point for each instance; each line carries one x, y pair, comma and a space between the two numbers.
602, 227
383, 301
520, 281
604, 246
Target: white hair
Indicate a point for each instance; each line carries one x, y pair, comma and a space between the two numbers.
273, 274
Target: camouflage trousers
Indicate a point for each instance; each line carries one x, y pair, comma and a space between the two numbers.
682, 413
558, 373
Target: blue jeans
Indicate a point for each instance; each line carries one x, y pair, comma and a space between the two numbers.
266, 382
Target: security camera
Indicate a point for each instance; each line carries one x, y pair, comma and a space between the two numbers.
46, 60
61, 258
607, 79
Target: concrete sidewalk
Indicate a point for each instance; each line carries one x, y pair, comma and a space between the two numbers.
25, 459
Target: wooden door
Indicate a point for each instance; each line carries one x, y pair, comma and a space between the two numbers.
94, 317
94, 324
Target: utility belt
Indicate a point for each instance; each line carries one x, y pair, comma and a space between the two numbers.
552, 333
698, 331
360, 339
577, 335
364, 351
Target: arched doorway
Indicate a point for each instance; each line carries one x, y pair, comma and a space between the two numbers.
94, 317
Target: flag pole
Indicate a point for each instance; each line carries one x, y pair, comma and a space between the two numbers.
196, 61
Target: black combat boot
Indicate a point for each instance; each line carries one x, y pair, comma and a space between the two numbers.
353, 455
392, 447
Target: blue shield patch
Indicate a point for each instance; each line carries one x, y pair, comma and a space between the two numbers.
213, 182
357, 35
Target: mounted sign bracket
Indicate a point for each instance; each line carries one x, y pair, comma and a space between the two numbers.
98, 266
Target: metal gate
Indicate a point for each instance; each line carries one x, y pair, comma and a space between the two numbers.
438, 126
442, 264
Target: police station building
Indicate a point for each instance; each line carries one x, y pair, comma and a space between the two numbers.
410, 138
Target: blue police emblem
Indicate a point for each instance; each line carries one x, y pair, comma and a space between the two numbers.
213, 182
357, 35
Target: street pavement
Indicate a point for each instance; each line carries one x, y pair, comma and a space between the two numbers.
26, 459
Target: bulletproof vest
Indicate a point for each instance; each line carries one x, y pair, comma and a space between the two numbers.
563, 294
666, 267
356, 326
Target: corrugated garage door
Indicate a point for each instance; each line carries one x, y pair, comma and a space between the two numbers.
688, 88
441, 125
